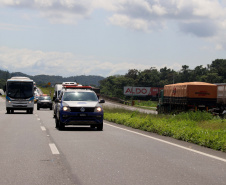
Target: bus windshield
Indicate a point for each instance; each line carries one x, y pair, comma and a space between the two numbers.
21, 90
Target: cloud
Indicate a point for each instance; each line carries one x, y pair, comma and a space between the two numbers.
132, 14
127, 22
201, 18
56, 11
58, 63
197, 28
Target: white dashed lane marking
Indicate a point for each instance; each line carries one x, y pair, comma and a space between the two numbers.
54, 148
43, 128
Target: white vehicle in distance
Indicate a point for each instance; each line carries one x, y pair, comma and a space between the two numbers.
19, 94
57, 90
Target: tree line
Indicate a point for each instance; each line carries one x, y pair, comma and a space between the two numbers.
213, 73
113, 85
42, 80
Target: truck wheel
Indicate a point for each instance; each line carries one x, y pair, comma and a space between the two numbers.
38, 107
8, 111
12, 111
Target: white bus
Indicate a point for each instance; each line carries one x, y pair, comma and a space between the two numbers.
19, 94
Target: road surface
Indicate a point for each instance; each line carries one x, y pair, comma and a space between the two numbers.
33, 151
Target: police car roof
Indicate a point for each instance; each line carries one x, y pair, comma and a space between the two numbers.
79, 90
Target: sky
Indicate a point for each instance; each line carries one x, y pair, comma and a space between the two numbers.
109, 37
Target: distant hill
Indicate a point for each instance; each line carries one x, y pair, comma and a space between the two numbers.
44, 79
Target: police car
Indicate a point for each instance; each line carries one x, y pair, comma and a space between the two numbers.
78, 105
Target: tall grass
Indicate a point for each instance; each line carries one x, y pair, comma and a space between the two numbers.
196, 127
146, 103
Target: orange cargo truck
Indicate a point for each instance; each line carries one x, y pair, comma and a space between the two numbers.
220, 108
187, 96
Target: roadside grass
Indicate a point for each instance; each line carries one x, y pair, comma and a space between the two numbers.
196, 127
146, 104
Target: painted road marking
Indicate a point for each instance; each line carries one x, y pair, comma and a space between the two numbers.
43, 128
173, 144
53, 148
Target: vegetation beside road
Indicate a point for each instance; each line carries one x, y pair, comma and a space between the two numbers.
112, 86
47, 90
146, 104
196, 127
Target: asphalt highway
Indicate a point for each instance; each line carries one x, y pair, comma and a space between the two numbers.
33, 151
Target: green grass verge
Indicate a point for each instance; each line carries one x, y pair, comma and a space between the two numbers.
151, 105
196, 127
146, 103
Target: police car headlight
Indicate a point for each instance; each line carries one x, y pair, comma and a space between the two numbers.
98, 109
66, 109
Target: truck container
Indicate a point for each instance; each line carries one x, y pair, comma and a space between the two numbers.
221, 93
220, 108
187, 96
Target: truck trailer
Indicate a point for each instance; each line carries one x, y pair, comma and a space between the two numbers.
187, 96
220, 108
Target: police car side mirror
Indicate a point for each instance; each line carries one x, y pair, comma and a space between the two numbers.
102, 101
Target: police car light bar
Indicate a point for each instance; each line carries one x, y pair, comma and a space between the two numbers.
76, 87
69, 83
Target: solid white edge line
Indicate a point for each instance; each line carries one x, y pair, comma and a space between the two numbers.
173, 144
53, 148
43, 128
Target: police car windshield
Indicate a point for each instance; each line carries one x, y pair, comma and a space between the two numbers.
80, 96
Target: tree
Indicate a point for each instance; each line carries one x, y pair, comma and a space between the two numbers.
197, 73
219, 66
185, 74
167, 75
132, 73
2, 83
211, 78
